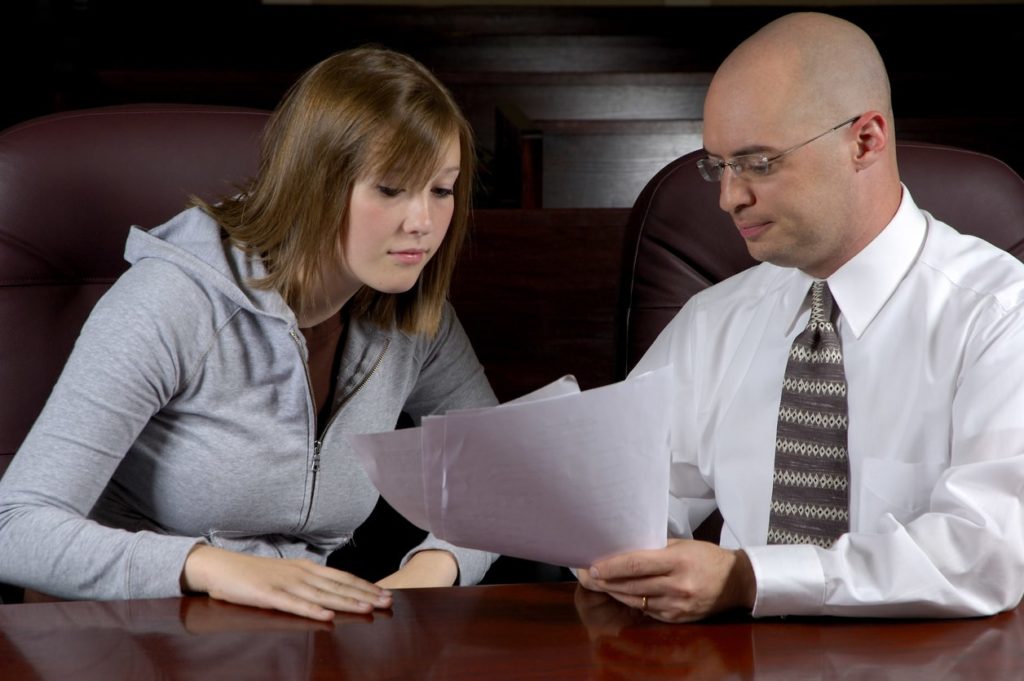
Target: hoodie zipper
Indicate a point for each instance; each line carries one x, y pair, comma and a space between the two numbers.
373, 370
317, 442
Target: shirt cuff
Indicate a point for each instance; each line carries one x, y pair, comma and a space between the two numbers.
790, 580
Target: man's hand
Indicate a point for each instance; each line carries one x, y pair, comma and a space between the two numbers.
432, 567
685, 581
300, 587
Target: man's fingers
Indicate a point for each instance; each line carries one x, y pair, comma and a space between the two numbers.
585, 580
633, 565
631, 592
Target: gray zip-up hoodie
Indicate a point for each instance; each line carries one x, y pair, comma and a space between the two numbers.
185, 414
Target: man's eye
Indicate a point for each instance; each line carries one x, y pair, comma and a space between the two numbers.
390, 192
738, 165
761, 167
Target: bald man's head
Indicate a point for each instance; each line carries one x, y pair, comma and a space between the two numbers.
811, 68
807, 97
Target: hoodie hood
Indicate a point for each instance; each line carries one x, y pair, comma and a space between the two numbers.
192, 241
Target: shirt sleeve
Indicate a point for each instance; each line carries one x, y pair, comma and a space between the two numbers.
691, 498
452, 378
126, 364
963, 556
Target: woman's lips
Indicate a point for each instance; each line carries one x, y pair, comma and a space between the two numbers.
410, 256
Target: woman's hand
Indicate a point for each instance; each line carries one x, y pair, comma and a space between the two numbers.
432, 567
300, 587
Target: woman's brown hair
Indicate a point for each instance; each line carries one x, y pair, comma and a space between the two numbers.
367, 112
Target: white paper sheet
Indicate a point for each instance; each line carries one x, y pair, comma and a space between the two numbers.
394, 465
400, 462
558, 476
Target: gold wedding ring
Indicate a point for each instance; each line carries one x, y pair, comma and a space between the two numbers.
644, 606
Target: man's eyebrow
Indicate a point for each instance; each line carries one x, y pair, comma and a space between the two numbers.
756, 149
745, 151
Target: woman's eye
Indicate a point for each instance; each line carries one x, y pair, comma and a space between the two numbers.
389, 191
443, 192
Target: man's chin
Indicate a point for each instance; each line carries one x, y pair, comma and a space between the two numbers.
759, 253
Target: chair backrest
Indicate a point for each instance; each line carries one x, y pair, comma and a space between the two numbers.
71, 185
679, 242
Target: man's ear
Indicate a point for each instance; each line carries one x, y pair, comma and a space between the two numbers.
873, 136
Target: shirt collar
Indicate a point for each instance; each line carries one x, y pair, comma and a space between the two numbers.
862, 286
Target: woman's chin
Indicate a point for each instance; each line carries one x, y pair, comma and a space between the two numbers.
393, 287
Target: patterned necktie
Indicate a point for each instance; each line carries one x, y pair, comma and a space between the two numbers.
810, 497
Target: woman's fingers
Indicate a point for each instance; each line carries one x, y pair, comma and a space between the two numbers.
299, 587
341, 592
336, 581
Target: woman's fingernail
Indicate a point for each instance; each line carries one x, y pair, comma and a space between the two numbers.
594, 573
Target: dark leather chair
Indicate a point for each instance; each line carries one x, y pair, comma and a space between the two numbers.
71, 185
679, 242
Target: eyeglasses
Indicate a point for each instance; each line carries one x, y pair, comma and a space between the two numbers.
754, 165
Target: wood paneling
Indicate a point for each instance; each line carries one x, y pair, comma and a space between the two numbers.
567, 96
585, 163
538, 291
947, 62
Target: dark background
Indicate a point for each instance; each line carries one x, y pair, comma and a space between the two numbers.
956, 69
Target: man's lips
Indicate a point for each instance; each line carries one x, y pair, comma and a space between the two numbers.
753, 230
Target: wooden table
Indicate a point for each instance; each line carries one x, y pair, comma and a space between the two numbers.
529, 631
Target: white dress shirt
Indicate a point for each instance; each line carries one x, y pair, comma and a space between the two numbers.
932, 328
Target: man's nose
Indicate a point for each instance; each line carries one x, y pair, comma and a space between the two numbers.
733, 192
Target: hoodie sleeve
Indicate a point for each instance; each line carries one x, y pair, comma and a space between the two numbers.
134, 351
451, 377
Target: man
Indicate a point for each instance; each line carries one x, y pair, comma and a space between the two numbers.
892, 487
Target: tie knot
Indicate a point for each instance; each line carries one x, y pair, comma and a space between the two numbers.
821, 303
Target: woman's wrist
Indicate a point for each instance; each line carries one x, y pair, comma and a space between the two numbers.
193, 578
430, 567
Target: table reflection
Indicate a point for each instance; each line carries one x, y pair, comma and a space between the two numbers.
555, 631
429, 633
627, 645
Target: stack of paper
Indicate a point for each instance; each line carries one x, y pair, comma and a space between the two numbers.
560, 476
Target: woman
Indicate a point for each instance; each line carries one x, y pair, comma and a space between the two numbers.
196, 440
